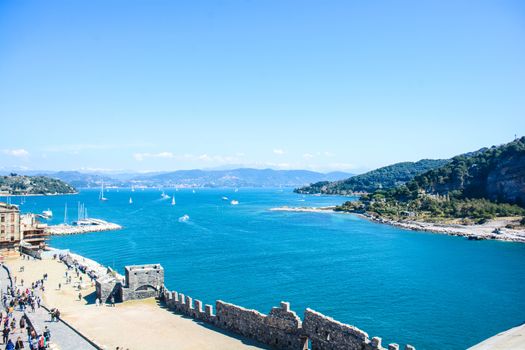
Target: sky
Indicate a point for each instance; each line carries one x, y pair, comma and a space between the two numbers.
320, 85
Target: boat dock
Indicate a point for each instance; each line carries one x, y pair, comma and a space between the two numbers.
82, 226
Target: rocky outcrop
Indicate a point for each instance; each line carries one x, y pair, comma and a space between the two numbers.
506, 182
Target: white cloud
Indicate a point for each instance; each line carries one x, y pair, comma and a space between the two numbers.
329, 154
220, 159
308, 156
278, 151
101, 170
204, 157
19, 152
142, 156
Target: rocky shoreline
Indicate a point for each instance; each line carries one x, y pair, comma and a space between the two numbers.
472, 232
494, 229
305, 209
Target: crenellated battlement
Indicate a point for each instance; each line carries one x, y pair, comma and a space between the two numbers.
282, 328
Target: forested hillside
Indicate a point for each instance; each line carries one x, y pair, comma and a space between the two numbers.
383, 178
22, 185
481, 185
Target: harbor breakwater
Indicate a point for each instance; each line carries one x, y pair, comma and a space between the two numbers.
96, 226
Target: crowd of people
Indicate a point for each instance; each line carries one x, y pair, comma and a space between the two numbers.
26, 300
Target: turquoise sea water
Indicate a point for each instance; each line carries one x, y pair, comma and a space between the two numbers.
433, 291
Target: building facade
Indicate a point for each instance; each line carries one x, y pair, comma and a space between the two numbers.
9, 227
32, 232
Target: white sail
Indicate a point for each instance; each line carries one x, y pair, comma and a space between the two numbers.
173, 200
101, 196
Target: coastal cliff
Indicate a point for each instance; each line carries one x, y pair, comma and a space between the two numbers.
474, 187
507, 180
496, 174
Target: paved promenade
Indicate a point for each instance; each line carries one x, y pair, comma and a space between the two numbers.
62, 337
134, 325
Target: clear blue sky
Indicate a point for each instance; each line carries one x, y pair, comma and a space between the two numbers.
324, 85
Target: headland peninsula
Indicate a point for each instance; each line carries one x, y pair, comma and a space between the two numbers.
479, 195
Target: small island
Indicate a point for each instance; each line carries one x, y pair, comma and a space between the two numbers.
22, 185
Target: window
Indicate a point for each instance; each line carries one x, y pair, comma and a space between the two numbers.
2, 218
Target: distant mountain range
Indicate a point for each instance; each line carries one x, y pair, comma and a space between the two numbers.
242, 177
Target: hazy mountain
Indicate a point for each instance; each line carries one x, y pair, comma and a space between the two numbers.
242, 177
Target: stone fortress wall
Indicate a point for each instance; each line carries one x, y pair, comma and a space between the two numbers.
281, 328
140, 281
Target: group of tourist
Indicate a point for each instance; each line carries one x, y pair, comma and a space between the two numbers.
24, 300
34, 341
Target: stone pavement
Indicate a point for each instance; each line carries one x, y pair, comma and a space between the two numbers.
62, 337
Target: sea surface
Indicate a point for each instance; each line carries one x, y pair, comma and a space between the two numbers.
432, 291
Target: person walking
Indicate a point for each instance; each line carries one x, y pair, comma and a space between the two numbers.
5, 333
47, 334
22, 324
41, 343
10, 345
19, 344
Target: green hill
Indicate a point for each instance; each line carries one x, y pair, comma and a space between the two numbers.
481, 185
23, 185
382, 178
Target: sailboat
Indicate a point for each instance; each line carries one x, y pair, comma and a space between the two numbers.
130, 200
173, 200
184, 218
101, 196
65, 214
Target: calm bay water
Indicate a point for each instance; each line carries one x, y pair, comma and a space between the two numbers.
433, 291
